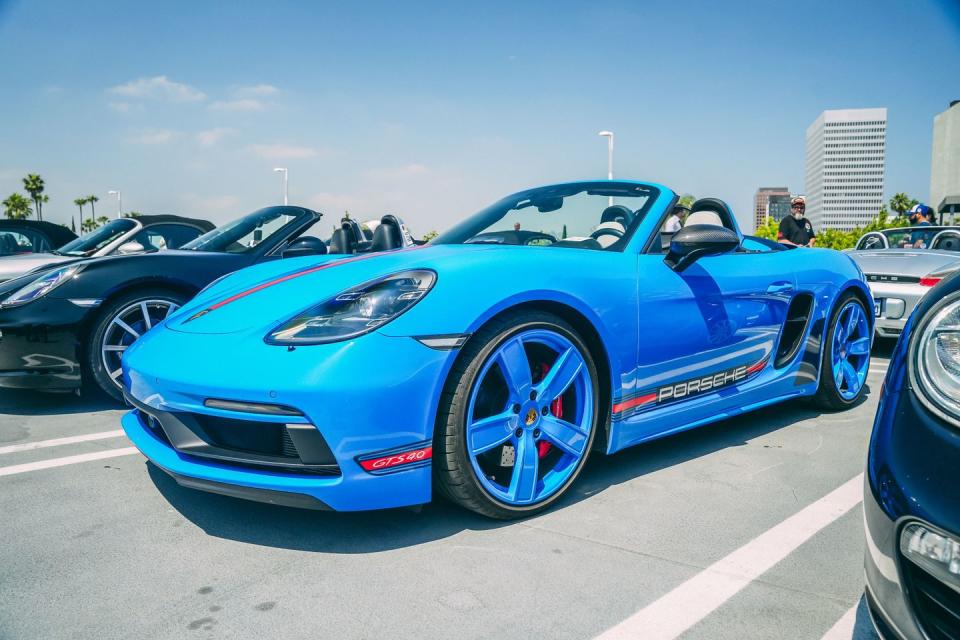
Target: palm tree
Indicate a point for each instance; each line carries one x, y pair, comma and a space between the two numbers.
900, 202
33, 184
93, 211
80, 202
16, 207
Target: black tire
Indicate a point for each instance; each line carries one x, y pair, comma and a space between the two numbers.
95, 374
453, 471
827, 396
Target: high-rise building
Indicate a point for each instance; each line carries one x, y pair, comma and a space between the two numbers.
761, 200
846, 156
945, 166
778, 206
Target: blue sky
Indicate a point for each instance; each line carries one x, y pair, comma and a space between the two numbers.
432, 110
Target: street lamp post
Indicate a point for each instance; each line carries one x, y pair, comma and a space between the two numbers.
283, 170
609, 136
119, 201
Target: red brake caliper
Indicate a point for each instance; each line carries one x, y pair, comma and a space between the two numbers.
556, 408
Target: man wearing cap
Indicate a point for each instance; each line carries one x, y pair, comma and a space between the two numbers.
796, 230
920, 215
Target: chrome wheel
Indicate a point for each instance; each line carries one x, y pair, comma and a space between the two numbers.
126, 327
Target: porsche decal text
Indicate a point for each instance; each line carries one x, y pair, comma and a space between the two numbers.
701, 385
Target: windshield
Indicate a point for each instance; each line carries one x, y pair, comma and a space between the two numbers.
920, 237
89, 244
586, 215
247, 233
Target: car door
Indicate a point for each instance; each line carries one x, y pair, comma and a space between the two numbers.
702, 332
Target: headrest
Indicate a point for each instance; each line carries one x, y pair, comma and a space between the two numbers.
617, 213
341, 241
387, 235
704, 217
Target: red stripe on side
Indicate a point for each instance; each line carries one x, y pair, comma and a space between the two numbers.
758, 366
635, 402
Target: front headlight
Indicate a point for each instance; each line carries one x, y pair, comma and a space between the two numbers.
935, 359
356, 311
41, 286
935, 552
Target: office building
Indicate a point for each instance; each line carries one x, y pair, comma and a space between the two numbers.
945, 165
845, 165
761, 200
778, 206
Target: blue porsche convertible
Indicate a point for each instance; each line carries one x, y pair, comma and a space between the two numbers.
490, 371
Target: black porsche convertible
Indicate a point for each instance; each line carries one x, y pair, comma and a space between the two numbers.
67, 327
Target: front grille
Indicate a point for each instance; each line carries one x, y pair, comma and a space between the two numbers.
278, 447
936, 605
886, 277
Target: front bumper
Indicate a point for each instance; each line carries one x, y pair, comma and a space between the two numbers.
376, 393
911, 478
40, 345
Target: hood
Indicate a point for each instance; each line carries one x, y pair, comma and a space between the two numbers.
262, 296
16, 266
903, 262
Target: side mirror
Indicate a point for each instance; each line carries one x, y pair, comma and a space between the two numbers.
130, 247
305, 246
696, 241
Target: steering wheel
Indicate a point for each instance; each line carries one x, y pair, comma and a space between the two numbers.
599, 233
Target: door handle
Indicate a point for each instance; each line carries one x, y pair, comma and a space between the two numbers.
780, 287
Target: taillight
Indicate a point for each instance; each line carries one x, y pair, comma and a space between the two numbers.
929, 281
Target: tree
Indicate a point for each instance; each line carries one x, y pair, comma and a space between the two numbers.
687, 200
16, 207
93, 211
80, 202
102, 220
73, 224
901, 203
564, 234
430, 235
33, 184
88, 225
769, 229
132, 214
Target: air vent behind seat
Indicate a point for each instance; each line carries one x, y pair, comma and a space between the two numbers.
794, 329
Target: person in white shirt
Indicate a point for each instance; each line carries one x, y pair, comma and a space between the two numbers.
674, 222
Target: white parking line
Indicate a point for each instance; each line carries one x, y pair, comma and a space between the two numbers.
843, 630
692, 601
56, 442
62, 462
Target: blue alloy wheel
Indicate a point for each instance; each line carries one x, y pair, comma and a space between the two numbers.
851, 350
527, 403
846, 355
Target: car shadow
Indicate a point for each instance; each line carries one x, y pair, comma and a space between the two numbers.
44, 403
366, 532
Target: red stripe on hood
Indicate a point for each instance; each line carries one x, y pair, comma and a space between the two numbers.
289, 276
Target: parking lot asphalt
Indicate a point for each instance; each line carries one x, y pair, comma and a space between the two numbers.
748, 528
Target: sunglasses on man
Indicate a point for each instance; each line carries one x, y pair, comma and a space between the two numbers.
798, 206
